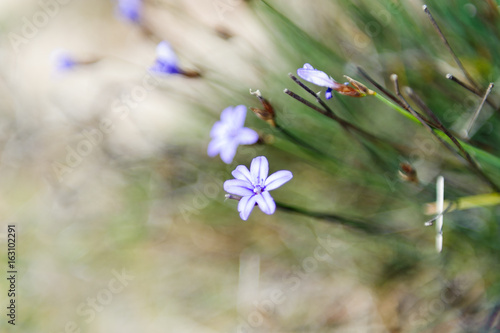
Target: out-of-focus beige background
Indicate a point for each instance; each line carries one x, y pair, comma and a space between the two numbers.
122, 228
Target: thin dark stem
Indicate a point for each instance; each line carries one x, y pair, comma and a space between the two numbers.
414, 113
463, 84
431, 221
305, 102
391, 96
306, 88
448, 46
368, 227
379, 87
345, 124
421, 104
467, 158
472, 90
348, 127
300, 142
476, 114
394, 78
472, 163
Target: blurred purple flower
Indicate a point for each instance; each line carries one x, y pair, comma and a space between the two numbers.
130, 9
253, 186
62, 61
166, 60
228, 133
318, 78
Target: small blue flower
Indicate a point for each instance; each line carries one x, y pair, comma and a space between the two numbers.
62, 61
253, 186
130, 9
228, 133
166, 60
319, 78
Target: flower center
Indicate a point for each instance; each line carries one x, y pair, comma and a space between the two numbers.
232, 133
258, 189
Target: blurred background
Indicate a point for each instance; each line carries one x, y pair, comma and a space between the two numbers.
121, 220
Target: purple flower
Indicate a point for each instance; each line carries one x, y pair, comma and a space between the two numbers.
229, 132
253, 186
130, 9
320, 78
166, 60
62, 60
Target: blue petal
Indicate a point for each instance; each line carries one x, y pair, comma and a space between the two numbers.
62, 60
315, 76
161, 67
238, 116
259, 169
247, 136
215, 146
218, 129
241, 172
328, 93
245, 206
277, 179
165, 53
166, 60
234, 116
228, 151
266, 203
130, 9
226, 115
238, 187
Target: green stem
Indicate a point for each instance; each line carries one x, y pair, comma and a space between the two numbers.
474, 201
368, 227
302, 143
485, 156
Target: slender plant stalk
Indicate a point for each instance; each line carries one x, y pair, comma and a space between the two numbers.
301, 142
472, 90
448, 46
463, 203
478, 110
368, 227
401, 107
472, 164
318, 99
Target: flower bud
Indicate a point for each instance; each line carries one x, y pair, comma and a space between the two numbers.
360, 87
408, 173
267, 112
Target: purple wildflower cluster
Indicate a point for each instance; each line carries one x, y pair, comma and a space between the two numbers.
250, 187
